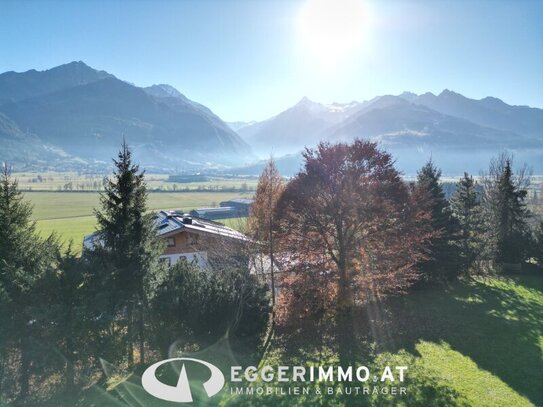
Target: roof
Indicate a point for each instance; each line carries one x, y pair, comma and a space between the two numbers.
214, 210
245, 201
173, 222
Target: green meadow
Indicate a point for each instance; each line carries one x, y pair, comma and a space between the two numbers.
473, 344
57, 181
71, 216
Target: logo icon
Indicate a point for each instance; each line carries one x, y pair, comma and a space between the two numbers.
181, 392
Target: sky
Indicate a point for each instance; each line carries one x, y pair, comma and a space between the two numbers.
251, 59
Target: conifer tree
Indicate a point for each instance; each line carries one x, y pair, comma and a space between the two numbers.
443, 263
537, 244
129, 243
23, 259
511, 218
466, 208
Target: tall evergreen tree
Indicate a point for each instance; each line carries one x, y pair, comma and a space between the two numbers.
128, 243
537, 244
443, 263
511, 218
64, 324
466, 208
23, 259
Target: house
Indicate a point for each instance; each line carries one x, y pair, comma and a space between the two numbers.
241, 205
215, 213
189, 238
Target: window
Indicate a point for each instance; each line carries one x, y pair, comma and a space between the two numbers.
166, 260
171, 241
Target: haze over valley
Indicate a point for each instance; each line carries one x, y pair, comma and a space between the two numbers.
74, 117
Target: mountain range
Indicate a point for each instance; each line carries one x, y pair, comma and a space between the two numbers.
74, 117
457, 131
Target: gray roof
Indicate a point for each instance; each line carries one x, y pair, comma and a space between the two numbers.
246, 201
215, 212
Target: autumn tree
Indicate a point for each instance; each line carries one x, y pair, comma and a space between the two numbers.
348, 220
262, 221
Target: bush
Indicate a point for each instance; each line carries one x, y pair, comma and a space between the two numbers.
191, 307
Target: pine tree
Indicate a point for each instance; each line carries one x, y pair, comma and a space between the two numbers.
537, 244
443, 263
511, 218
23, 260
466, 208
128, 242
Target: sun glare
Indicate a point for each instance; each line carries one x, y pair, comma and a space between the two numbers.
332, 30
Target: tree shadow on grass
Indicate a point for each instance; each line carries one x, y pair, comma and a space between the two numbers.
497, 323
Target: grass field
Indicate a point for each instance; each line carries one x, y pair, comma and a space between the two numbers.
476, 344
55, 181
70, 214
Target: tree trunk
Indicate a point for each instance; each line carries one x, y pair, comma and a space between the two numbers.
2, 369
69, 373
141, 334
24, 378
344, 319
129, 333
272, 273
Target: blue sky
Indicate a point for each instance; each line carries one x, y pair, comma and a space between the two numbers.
248, 59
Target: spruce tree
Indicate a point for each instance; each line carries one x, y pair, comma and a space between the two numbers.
443, 264
129, 244
537, 244
511, 217
23, 260
466, 208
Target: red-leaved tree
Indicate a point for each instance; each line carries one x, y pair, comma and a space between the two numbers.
350, 232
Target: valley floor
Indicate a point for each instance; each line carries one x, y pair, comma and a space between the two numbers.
71, 216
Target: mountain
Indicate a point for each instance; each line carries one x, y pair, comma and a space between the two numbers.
392, 120
240, 124
87, 115
489, 112
23, 148
16, 86
287, 165
460, 133
303, 124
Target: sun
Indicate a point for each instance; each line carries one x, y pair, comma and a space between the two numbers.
331, 30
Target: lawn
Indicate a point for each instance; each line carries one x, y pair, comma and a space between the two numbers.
475, 344
70, 214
